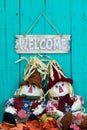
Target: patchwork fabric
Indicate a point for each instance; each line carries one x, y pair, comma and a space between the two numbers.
18, 103
10, 102
51, 106
27, 105
75, 97
22, 114
54, 104
34, 105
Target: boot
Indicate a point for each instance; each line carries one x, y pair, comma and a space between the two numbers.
66, 121
83, 125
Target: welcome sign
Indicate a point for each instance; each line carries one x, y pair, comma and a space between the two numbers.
42, 43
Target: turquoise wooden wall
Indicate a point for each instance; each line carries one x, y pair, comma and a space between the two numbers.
16, 16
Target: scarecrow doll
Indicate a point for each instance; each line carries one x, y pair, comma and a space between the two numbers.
62, 100
28, 102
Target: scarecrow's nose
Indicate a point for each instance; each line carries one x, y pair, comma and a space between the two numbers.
30, 89
60, 89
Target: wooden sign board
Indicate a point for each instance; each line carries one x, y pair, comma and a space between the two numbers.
42, 43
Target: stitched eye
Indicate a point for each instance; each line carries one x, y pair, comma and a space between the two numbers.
56, 86
34, 86
62, 84
28, 85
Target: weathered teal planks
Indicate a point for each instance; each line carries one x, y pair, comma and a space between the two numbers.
9, 72
69, 16
12, 28
59, 13
3, 72
79, 47
2, 36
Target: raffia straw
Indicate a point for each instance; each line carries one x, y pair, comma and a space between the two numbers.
33, 64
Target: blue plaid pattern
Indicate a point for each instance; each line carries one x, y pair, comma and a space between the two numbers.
10, 102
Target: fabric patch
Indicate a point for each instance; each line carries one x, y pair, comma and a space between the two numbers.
22, 114
51, 106
18, 103
27, 105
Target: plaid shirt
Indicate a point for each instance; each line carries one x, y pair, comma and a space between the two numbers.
52, 105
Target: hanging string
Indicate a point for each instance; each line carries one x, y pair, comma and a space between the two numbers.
51, 24
47, 19
34, 23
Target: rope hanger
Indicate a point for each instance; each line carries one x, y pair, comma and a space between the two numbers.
47, 19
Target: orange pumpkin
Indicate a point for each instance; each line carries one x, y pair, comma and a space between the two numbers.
49, 125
